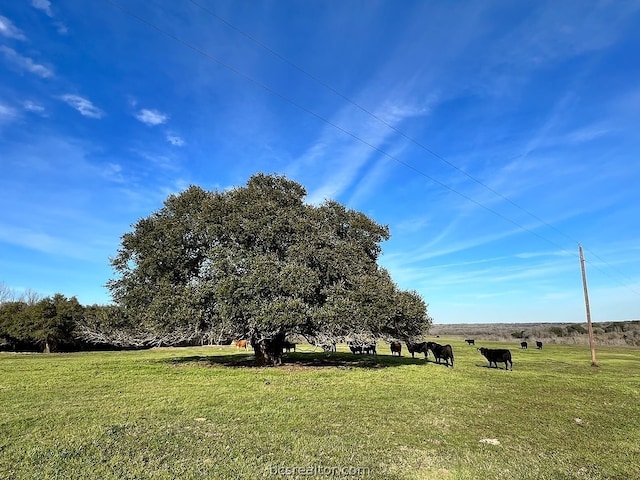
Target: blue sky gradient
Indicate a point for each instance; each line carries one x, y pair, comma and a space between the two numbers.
491, 136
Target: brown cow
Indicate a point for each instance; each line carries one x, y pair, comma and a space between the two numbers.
241, 343
396, 347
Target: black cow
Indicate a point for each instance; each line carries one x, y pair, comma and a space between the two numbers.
441, 352
524, 345
355, 348
539, 345
287, 345
396, 347
327, 347
470, 341
417, 348
369, 349
495, 355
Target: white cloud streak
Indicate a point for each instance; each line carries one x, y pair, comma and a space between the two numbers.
25, 63
33, 107
9, 30
152, 117
44, 5
82, 105
350, 155
28, 238
175, 140
7, 113
61, 28
113, 172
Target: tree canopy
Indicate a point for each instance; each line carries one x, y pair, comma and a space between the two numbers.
48, 323
257, 262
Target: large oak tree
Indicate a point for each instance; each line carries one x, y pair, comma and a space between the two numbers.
258, 262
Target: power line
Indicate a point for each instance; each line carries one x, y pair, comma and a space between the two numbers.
363, 109
327, 121
374, 116
283, 97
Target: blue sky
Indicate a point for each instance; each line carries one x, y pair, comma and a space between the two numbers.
491, 136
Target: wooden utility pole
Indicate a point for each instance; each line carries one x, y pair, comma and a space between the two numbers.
586, 303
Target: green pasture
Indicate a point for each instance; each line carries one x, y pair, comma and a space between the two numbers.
182, 413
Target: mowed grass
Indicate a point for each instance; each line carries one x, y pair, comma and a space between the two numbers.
204, 413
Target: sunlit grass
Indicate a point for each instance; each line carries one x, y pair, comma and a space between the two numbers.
203, 413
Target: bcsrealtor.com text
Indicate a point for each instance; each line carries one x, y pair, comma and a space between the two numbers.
321, 471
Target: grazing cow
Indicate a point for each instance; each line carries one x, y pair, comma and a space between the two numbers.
495, 355
441, 352
364, 348
539, 345
417, 348
470, 341
369, 349
396, 347
326, 347
287, 345
524, 345
241, 343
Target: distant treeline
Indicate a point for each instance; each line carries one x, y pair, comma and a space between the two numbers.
50, 324
605, 333
31, 323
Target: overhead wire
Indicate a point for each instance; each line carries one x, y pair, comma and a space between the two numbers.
283, 97
381, 120
327, 121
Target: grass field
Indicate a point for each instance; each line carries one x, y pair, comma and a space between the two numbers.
204, 413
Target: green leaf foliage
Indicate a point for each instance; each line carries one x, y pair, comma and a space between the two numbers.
47, 324
257, 262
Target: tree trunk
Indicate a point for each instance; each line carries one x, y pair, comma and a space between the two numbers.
268, 351
51, 344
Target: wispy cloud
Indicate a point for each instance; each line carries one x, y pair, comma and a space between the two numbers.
373, 177
29, 238
113, 172
587, 134
8, 29
44, 5
488, 276
175, 140
25, 63
348, 153
7, 113
33, 107
159, 160
82, 105
152, 117
62, 28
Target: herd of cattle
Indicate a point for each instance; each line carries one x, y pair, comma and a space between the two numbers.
445, 352
441, 353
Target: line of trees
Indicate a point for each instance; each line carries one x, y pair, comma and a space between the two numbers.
33, 323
